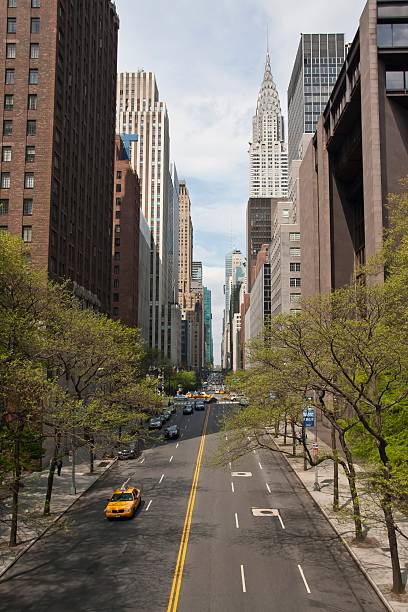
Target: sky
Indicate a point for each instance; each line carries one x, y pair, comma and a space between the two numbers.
208, 57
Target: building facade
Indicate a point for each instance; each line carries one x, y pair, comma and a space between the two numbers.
125, 239
359, 152
57, 159
208, 336
185, 246
268, 156
140, 111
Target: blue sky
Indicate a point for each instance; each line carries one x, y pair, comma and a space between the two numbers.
208, 58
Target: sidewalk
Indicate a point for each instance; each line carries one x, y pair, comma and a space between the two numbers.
32, 524
372, 556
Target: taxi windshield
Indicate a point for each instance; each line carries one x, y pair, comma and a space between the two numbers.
117, 497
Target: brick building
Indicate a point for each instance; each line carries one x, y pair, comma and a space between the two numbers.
125, 239
57, 105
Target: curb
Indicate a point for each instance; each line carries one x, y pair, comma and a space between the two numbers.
55, 520
343, 541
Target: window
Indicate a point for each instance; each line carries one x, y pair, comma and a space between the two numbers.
4, 207
118, 201
11, 25
294, 236
118, 187
295, 311
6, 154
7, 127
34, 51
27, 206
116, 297
295, 282
119, 174
3, 228
396, 81
117, 255
285, 213
116, 270
117, 214
32, 102
117, 229
30, 154
8, 102
33, 76
35, 3
117, 242
31, 127
295, 298
5, 180
294, 252
295, 267
10, 76
116, 283
116, 311
11, 50
35, 25
12, 3
392, 35
29, 180
27, 233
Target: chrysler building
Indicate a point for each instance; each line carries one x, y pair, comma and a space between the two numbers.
268, 151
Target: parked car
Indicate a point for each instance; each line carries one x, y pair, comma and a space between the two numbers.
188, 409
128, 453
166, 415
172, 432
155, 423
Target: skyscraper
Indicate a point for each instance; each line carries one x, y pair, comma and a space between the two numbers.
185, 246
318, 62
58, 113
268, 151
139, 111
197, 271
208, 338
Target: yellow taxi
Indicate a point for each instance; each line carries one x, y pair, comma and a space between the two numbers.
123, 503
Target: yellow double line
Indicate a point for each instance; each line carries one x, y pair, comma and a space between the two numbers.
178, 573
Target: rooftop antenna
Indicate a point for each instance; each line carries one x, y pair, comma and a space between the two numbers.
267, 39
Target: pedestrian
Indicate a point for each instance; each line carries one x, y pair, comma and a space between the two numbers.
59, 467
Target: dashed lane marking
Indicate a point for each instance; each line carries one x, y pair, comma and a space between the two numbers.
232, 487
236, 521
304, 579
161, 478
243, 579
148, 505
268, 487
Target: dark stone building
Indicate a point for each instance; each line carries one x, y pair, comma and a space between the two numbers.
359, 152
259, 231
57, 101
125, 239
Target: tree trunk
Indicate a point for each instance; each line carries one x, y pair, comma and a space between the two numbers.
397, 582
335, 471
16, 489
285, 431
91, 455
351, 476
51, 473
277, 426
292, 425
304, 451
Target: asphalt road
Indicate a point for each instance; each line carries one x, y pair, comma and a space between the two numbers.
234, 561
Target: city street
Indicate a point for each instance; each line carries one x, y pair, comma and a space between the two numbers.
284, 561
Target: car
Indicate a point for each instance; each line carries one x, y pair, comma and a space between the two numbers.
188, 409
243, 402
171, 432
128, 453
171, 407
123, 503
200, 405
155, 423
211, 400
166, 415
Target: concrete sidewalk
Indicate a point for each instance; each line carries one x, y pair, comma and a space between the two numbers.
32, 523
373, 556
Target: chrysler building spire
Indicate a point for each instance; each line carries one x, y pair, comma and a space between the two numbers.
268, 151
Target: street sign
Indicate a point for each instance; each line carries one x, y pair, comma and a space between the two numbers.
309, 416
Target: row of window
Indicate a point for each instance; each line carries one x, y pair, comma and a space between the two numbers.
26, 234
31, 102
7, 154
8, 127
10, 76
34, 3
396, 80
11, 50
5, 180
34, 25
392, 35
27, 206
